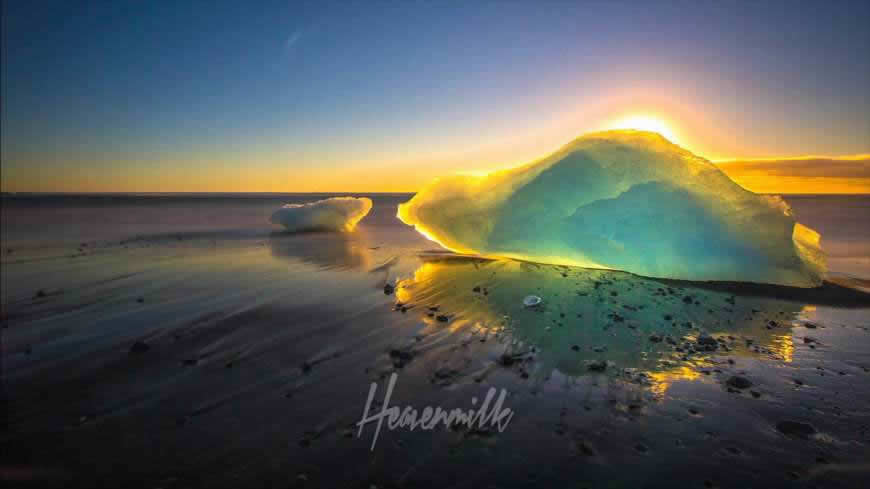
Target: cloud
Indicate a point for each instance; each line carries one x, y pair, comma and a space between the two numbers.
293, 39
811, 174
334, 214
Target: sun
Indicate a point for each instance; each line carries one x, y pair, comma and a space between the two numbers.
645, 122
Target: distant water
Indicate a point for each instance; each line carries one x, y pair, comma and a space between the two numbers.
45, 220
844, 223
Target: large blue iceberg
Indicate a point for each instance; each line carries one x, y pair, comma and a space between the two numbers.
625, 200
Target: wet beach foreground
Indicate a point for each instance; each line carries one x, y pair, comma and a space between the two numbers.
242, 357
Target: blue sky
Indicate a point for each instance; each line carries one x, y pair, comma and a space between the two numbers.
124, 92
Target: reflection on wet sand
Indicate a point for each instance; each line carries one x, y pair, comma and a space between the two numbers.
598, 321
326, 250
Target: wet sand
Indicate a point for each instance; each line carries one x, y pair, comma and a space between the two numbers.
243, 358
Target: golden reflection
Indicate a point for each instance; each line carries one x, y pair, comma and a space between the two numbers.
667, 330
783, 347
660, 381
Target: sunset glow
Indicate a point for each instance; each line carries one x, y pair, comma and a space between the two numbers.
307, 99
645, 122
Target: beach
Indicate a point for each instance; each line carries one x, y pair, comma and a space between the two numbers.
180, 340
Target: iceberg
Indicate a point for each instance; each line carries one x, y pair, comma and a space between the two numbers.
624, 200
333, 214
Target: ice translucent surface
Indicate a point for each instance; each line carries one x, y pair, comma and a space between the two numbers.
626, 200
333, 214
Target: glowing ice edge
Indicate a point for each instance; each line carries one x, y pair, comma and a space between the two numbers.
333, 214
625, 200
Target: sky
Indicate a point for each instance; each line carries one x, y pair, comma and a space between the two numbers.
384, 96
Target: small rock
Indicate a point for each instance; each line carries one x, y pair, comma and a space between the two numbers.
506, 360
575, 348
597, 365
400, 357
707, 340
795, 429
585, 448
389, 289
739, 382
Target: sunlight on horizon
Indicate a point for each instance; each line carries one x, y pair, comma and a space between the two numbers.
646, 122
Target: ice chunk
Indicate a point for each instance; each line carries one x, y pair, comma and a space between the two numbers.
334, 214
626, 200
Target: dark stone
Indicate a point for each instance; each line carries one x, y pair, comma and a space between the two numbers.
739, 382
795, 429
389, 289
707, 340
597, 366
476, 289
400, 357
585, 448
506, 360
40, 294
575, 348
139, 347
655, 338
442, 318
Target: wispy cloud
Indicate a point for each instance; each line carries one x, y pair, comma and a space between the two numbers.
810, 174
293, 39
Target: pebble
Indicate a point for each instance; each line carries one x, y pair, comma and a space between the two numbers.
739, 382
597, 365
795, 429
